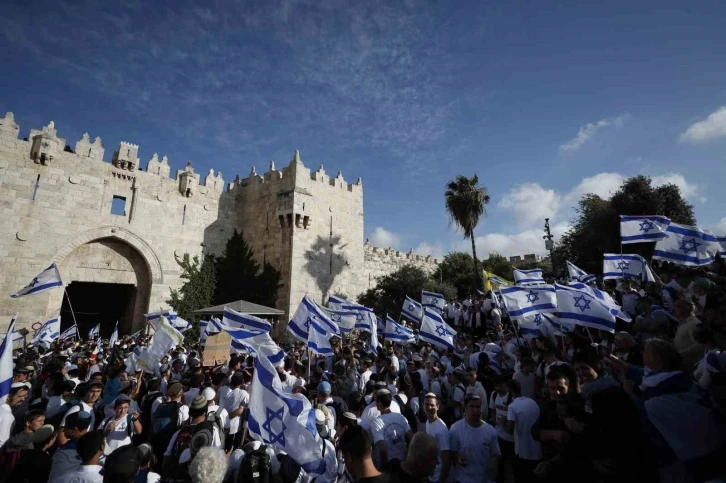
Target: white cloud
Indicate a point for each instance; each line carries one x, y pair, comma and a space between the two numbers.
527, 241
688, 190
587, 131
720, 227
384, 238
435, 249
531, 202
713, 127
602, 184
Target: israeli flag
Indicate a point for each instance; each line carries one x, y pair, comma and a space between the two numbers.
412, 309
687, 245
49, 332
542, 324
95, 332
258, 343
647, 275
114, 336
70, 333
722, 246
6, 362
639, 229
213, 326
627, 266
528, 277
521, 301
435, 331
433, 300
336, 303
177, 322
603, 298
283, 420
46, 280
580, 308
579, 275
318, 337
345, 319
244, 321
366, 320
397, 333
300, 322
17, 336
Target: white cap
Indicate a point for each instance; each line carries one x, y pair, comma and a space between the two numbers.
71, 367
209, 393
319, 416
16, 385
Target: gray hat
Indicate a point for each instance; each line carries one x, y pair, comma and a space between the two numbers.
199, 402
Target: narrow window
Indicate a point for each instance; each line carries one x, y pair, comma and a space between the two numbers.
35, 189
118, 206
89, 152
184, 214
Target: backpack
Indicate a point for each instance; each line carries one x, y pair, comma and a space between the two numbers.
407, 413
8, 459
164, 423
338, 406
214, 418
173, 471
256, 467
129, 425
146, 404
421, 414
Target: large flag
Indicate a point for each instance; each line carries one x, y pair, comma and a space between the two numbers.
687, 245
433, 300
6, 362
308, 310
528, 277
345, 319
580, 308
114, 336
494, 282
254, 342
244, 321
628, 266
166, 337
95, 332
69, 333
639, 229
46, 280
543, 324
604, 298
286, 421
207, 328
397, 333
318, 337
177, 322
521, 301
47, 333
336, 303
721, 246
435, 331
366, 320
579, 275
412, 309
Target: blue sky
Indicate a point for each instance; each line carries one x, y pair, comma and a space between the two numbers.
543, 100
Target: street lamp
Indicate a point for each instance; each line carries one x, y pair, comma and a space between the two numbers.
549, 244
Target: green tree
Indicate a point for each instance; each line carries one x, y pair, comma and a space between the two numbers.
596, 228
465, 201
196, 293
455, 269
498, 265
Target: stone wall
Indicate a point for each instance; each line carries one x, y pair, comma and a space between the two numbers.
382, 261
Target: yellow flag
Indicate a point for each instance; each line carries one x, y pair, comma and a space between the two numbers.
494, 282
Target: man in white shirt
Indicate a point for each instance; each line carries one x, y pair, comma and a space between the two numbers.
474, 445
66, 459
391, 432
90, 448
93, 393
522, 414
394, 360
197, 415
18, 393
436, 428
526, 378
365, 374
236, 403
475, 387
213, 408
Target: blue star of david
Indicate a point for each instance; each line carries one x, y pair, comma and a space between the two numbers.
623, 265
336, 317
646, 226
359, 317
582, 303
532, 297
267, 426
411, 307
433, 301
398, 330
689, 245
307, 323
441, 330
537, 319
34, 282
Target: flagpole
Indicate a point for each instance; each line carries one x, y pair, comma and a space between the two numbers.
622, 266
72, 313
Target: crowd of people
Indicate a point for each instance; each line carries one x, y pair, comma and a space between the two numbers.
643, 404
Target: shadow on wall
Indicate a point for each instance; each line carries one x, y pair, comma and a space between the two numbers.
325, 262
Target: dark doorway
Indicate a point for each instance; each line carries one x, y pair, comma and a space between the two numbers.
93, 303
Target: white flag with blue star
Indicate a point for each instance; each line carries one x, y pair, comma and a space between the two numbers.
253, 342
300, 321
604, 298
628, 266
345, 319
46, 280
521, 301
397, 333
6, 362
114, 336
211, 327
721, 246
579, 275
643, 229
580, 308
435, 331
177, 322
244, 321
336, 303
318, 337
412, 309
365, 320
286, 421
70, 333
433, 300
49, 332
687, 245
95, 332
17, 336
528, 277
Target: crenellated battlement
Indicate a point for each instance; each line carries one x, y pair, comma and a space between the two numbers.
371, 252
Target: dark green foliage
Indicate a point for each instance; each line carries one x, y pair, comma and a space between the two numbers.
196, 293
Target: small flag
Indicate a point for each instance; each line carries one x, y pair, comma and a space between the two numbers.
254, 342
579, 275
528, 277
177, 322
628, 266
433, 300
245, 321
435, 331
95, 332
47, 333
397, 333
604, 298
640, 229
336, 303
529, 300
114, 336
70, 333
286, 421
6, 362
580, 308
46, 280
412, 309
687, 245
299, 323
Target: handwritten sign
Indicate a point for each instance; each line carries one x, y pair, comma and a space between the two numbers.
216, 350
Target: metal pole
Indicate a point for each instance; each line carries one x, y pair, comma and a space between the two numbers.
72, 313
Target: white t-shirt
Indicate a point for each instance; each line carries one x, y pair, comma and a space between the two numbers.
477, 446
120, 436
440, 433
190, 395
499, 404
391, 428
479, 390
183, 410
414, 404
424, 379
331, 463
371, 412
222, 413
526, 382
76, 408
237, 398
524, 412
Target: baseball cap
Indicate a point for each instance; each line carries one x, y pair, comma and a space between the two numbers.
324, 387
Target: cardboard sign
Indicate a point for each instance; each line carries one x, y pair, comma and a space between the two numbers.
216, 350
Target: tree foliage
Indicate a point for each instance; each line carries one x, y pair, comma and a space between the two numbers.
498, 265
197, 291
388, 295
596, 230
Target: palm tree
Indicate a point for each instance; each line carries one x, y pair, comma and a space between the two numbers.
465, 201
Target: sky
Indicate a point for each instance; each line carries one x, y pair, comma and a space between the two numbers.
545, 101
